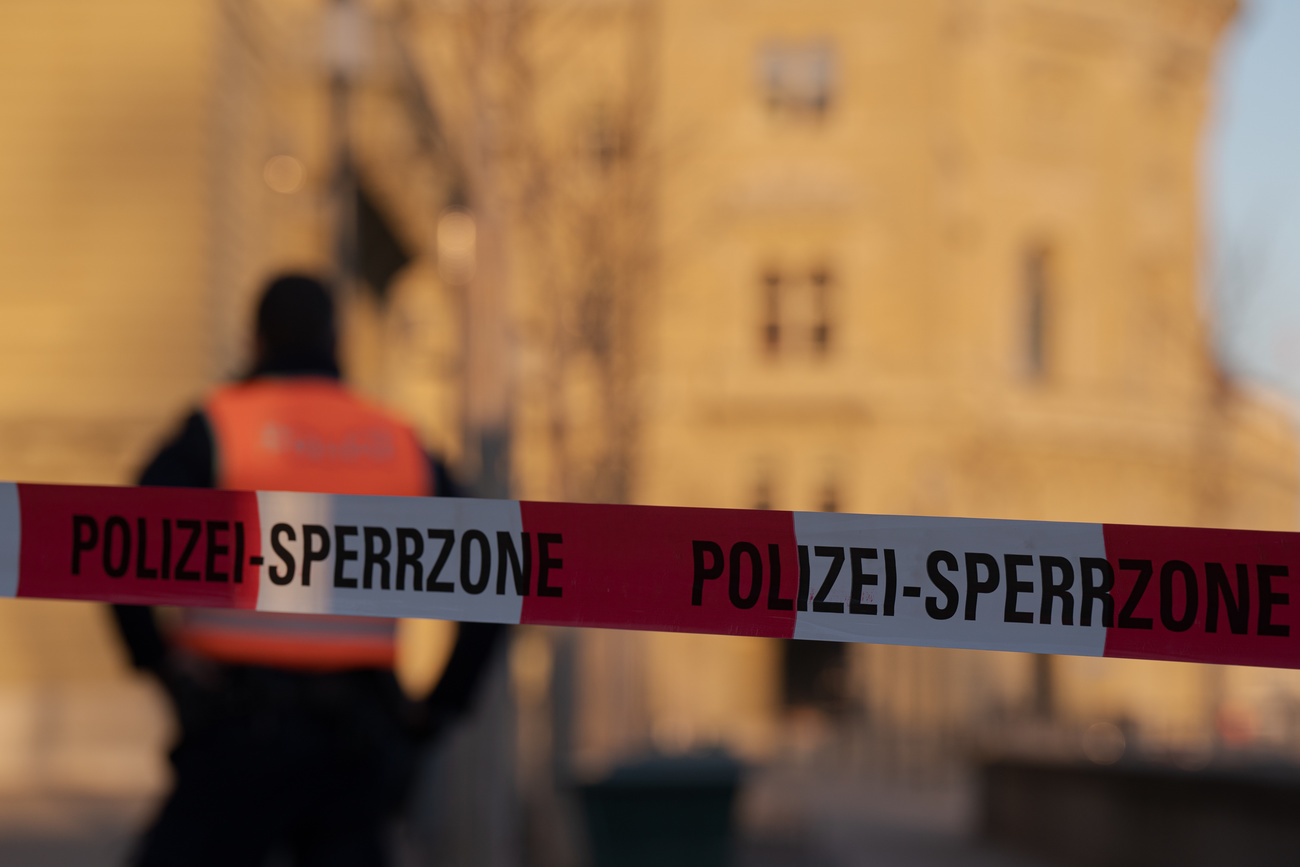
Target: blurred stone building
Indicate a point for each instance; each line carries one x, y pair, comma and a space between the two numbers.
930, 258
937, 257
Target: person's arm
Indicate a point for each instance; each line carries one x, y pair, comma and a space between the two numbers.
140, 633
461, 679
444, 483
475, 643
185, 461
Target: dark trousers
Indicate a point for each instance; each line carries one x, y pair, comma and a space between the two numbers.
309, 767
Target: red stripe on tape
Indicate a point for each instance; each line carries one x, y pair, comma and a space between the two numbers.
151, 546
1196, 595
636, 567
1219, 596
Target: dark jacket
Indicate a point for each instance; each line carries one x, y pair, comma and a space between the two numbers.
186, 461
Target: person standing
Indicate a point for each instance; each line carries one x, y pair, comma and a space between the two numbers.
295, 739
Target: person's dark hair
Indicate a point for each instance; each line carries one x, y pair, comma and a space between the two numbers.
295, 326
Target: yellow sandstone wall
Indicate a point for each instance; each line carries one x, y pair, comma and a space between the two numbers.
106, 294
137, 219
958, 139
660, 160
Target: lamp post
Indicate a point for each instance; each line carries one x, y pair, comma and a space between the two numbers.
343, 50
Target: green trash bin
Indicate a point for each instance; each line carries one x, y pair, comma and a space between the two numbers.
664, 810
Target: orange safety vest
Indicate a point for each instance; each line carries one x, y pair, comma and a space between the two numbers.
303, 434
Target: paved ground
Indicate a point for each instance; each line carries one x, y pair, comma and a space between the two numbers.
878, 847
68, 831
790, 818
796, 816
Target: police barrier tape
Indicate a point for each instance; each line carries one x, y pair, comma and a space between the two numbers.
1222, 596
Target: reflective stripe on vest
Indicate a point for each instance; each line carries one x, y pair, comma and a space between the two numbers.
303, 434
299, 641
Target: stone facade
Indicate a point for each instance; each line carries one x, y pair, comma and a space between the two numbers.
936, 257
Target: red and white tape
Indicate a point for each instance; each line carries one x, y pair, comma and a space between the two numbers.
1222, 596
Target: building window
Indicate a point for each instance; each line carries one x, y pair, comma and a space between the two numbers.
1038, 299
771, 311
830, 496
602, 139
796, 312
763, 496
798, 78
820, 286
